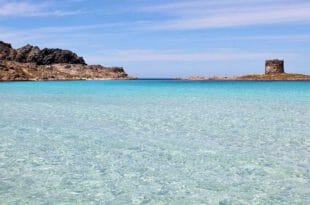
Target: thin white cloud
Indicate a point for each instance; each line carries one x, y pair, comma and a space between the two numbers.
227, 13
292, 37
22, 9
18, 35
206, 5
179, 56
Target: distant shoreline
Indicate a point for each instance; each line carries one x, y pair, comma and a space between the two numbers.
157, 79
256, 77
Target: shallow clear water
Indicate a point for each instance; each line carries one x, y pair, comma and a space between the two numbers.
155, 142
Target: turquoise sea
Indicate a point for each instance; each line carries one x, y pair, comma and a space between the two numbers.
155, 142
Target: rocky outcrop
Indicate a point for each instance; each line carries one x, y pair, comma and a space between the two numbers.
27, 54
264, 77
53, 56
32, 63
33, 54
274, 70
275, 76
7, 52
15, 71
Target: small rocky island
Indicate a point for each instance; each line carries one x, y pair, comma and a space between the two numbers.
274, 70
30, 63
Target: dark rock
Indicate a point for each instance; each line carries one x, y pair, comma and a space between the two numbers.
52, 56
6, 51
33, 54
118, 69
28, 54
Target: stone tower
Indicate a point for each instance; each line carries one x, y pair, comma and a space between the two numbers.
274, 66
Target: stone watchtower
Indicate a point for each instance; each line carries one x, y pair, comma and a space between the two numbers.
274, 66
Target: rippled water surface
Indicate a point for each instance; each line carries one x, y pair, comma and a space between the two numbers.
155, 142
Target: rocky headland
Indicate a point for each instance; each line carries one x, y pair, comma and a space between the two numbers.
30, 63
262, 77
274, 70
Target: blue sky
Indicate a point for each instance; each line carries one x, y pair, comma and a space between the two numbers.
167, 38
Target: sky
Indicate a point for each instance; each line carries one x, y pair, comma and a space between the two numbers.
167, 38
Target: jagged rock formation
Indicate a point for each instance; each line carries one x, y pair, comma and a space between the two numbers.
32, 63
27, 54
33, 54
6, 51
52, 56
